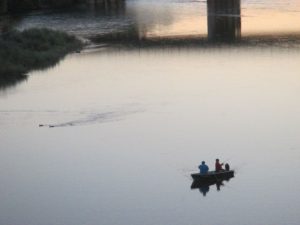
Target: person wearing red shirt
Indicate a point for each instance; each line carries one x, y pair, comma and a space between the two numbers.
218, 166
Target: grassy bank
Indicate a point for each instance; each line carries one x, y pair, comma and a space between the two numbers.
21, 52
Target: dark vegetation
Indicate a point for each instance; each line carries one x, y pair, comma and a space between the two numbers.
21, 52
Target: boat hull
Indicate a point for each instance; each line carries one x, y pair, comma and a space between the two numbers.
213, 176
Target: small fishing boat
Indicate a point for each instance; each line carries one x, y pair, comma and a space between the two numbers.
213, 176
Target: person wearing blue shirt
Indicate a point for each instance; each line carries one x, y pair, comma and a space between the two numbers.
203, 168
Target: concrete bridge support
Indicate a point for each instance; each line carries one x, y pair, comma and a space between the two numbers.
3, 6
224, 19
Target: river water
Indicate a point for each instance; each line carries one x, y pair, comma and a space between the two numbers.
111, 135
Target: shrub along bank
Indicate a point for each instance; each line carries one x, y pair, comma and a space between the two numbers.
21, 52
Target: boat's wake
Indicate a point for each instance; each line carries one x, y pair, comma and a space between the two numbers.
91, 118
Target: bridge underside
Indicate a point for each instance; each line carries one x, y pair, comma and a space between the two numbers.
23, 5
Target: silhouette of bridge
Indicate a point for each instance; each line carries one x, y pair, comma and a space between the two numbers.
20, 5
223, 16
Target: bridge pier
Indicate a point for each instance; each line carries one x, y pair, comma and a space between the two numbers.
224, 19
3, 6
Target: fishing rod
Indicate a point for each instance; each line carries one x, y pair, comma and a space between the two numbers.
226, 161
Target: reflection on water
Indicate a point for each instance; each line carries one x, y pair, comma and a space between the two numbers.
154, 24
223, 22
204, 187
168, 27
241, 104
141, 23
171, 21
10, 81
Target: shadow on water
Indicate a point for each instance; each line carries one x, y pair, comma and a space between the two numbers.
204, 186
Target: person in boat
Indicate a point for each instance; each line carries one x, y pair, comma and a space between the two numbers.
218, 166
227, 167
203, 168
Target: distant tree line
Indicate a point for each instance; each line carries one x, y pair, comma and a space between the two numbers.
25, 5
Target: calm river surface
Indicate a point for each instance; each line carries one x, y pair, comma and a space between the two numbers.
129, 125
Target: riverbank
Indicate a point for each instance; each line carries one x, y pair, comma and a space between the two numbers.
32, 49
